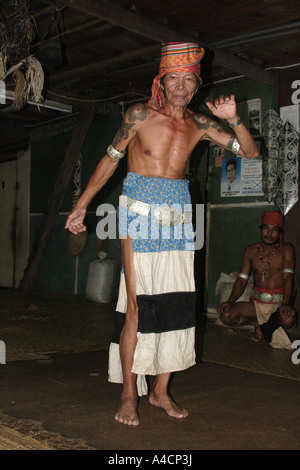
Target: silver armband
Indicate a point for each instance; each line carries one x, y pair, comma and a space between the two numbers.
288, 270
115, 154
235, 147
243, 276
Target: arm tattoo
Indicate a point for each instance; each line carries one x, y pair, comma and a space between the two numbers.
217, 127
204, 122
123, 133
138, 112
230, 142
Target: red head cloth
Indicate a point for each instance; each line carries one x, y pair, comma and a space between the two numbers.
175, 57
273, 218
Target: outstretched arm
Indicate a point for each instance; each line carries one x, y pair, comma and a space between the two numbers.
102, 173
224, 107
104, 170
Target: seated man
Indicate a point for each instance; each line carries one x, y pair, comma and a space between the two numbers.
269, 308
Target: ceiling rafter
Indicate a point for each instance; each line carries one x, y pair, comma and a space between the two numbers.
89, 68
134, 22
243, 8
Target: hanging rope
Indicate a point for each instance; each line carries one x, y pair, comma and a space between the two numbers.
16, 32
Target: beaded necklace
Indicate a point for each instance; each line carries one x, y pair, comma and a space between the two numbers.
265, 269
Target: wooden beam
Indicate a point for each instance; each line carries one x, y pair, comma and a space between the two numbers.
55, 201
236, 10
91, 67
75, 29
79, 102
115, 14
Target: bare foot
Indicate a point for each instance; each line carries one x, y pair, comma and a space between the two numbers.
127, 413
257, 335
166, 403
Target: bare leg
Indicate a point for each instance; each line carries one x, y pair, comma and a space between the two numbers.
160, 397
241, 314
127, 413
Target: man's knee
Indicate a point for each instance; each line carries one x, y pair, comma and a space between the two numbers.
228, 319
290, 321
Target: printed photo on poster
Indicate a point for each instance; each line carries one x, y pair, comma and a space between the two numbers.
231, 177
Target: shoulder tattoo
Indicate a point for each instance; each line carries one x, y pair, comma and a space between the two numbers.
138, 112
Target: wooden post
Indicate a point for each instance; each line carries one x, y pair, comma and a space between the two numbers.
55, 201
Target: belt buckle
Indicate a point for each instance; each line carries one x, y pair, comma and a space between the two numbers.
167, 216
266, 297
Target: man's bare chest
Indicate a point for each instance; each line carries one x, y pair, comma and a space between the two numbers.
268, 261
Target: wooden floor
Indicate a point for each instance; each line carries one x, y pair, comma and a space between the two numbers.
54, 392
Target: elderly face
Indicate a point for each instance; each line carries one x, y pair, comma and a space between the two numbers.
179, 87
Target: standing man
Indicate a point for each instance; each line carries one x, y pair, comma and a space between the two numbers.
269, 308
155, 314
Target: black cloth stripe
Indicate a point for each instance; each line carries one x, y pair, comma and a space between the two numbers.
270, 326
161, 313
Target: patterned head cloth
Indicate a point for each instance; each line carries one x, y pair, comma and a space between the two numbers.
175, 57
273, 218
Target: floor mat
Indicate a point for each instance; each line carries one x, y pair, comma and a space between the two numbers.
34, 326
233, 347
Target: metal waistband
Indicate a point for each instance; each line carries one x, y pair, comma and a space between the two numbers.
265, 297
167, 216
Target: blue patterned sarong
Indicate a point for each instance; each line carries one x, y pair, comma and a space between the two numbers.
164, 270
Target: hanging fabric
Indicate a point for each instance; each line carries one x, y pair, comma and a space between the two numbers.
287, 193
272, 126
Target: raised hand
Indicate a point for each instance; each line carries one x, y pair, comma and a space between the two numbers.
223, 107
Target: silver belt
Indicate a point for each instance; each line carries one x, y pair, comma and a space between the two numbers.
265, 297
166, 215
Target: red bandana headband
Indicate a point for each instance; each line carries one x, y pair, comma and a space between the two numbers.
175, 57
273, 218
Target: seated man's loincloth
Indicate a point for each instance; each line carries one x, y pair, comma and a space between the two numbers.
267, 303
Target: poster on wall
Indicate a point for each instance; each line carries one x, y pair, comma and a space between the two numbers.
291, 113
250, 113
254, 110
241, 177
